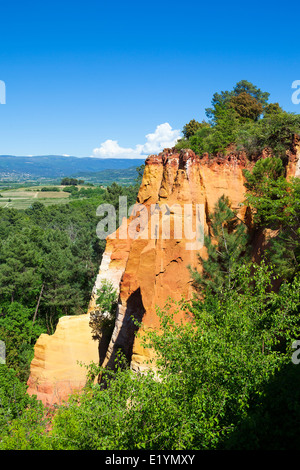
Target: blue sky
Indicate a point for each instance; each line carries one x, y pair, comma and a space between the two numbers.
104, 75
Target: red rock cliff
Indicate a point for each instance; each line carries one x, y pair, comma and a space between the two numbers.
184, 188
148, 265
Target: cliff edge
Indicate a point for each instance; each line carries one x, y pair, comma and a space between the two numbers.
147, 261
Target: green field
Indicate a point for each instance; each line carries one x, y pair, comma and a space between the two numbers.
22, 199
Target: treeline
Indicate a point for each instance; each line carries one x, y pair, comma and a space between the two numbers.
244, 117
49, 258
71, 181
50, 189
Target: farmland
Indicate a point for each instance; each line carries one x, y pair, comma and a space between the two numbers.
22, 198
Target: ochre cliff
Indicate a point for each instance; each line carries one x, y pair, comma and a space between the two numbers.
156, 267
56, 369
147, 263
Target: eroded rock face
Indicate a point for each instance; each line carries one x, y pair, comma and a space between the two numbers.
293, 166
55, 371
157, 266
148, 266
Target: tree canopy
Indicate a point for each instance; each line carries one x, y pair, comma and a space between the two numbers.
243, 117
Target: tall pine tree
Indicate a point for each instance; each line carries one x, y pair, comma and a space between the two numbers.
226, 246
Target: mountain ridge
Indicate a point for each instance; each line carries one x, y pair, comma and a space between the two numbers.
55, 166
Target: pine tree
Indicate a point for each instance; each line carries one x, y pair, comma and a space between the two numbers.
226, 247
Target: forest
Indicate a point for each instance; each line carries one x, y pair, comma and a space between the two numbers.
227, 379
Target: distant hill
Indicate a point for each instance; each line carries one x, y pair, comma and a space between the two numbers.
124, 176
56, 166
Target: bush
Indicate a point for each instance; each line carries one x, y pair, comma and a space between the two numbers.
210, 374
275, 131
14, 404
50, 188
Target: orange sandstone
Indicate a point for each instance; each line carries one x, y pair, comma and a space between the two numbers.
146, 268
55, 370
157, 268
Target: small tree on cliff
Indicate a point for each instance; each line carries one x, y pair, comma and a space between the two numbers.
246, 106
192, 127
226, 246
248, 100
102, 318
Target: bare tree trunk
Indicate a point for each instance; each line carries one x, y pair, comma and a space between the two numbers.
38, 304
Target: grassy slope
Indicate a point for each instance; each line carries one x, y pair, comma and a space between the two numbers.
21, 198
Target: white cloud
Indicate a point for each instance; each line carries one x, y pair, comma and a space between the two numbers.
163, 137
111, 149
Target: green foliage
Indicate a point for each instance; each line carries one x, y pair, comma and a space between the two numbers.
211, 373
224, 132
272, 108
103, 317
71, 189
19, 333
275, 204
55, 246
199, 141
27, 432
242, 117
246, 106
71, 181
223, 379
49, 259
272, 422
87, 193
264, 173
140, 171
244, 86
192, 127
275, 131
13, 399
224, 357
107, 297
211, 379
14, 403
213, 139
246, 89
226, 245
50, 188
